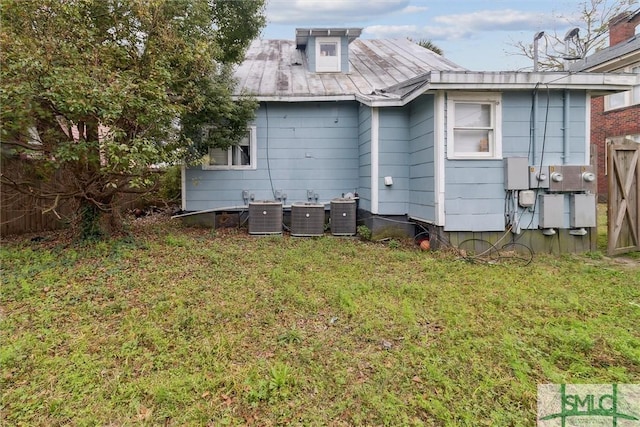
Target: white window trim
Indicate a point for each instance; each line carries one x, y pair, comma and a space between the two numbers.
320, 68
253, 147
495, 100
628, 95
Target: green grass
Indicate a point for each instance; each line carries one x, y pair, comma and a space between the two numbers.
182, 326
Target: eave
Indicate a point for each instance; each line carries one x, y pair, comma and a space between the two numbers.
595, 83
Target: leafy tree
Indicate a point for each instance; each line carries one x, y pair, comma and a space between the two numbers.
95, 92
428, 44
593, 24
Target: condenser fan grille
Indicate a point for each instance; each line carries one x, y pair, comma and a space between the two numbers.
265, 217
307, 219
343, 217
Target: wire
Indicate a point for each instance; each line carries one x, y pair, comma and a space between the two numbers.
240, 221
532, 123
266, 113
509, 253
542, 151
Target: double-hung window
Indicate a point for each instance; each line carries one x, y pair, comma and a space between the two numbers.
239, 156
328, 54
473, 126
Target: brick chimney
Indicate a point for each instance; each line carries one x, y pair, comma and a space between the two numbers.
623, 27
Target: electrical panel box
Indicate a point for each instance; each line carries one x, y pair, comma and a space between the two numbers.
538, 177
556, 178
572, 178
588, 178
583, 210
551, 211
516, 175
526, 198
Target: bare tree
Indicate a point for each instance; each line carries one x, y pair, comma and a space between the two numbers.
592, 23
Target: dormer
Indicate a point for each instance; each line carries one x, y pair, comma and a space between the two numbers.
326, 49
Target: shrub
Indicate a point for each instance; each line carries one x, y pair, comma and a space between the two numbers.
364, 232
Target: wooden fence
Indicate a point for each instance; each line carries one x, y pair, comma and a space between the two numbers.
22, 213
624, 198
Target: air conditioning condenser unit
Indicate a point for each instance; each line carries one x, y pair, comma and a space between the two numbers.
265, 217
307, 219
343, 217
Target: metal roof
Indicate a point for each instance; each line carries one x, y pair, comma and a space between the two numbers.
390, 72
275, 68
611, 58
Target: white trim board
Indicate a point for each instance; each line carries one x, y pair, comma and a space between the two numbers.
375, 127
439, 156
183, 183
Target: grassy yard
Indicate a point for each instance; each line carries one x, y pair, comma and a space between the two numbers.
180, 326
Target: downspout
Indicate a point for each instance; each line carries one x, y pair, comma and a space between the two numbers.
375, 123
566, 101
439, 156
183, 185
534, 125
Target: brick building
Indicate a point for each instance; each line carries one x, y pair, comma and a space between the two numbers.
616, 117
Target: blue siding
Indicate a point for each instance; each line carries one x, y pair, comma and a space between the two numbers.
364, 156
311, 146
516, 112
422, 200
310, 50
326, 147
474, 189
344, 55
393, 153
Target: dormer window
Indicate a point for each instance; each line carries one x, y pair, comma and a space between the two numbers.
327, 54
326, 49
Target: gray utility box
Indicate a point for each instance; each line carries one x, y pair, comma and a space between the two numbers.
307, 219
265, 217
583, 210
551, 211
343, 217
538, 177
572, 178
516, 173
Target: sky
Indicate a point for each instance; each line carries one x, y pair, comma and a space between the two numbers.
476, 34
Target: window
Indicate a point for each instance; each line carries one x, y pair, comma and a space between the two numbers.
240, 156
328, 54
473, 126
624, 99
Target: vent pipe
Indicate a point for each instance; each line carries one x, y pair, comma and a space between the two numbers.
537, 37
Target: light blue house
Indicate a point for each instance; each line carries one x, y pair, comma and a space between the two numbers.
419, 139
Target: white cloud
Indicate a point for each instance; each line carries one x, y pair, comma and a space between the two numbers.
390, 31
464, 26
414, 9
497, 20
334, 12
414, 32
